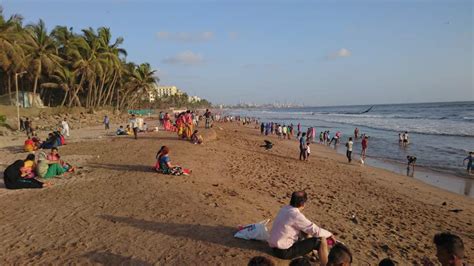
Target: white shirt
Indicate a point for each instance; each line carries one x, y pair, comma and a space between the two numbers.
133, 123
349, 145
288, 225
64, 124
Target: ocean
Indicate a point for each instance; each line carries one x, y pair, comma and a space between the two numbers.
441, 134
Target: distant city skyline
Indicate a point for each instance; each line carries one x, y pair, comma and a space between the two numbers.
318, 53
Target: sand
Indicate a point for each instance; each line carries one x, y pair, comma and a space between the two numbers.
116, 210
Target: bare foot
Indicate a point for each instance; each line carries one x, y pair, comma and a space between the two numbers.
47, 184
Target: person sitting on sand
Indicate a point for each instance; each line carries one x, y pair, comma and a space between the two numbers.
50, 142
55, 157
260, 261
129, 130
165, 163
196, 138
13, 180
339, 255
28, 170
120, 131
288, 226
29, 145
46, 168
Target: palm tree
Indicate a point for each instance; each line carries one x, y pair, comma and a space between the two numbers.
140, 80
64, 79
42, 51
11, 52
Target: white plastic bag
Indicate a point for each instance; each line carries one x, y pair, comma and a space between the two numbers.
256, 231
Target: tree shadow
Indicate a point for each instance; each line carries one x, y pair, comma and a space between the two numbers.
108, 258
14, 149
122, 167
219, 234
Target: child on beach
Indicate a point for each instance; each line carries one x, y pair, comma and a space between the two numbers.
308, 150
469, 162
349, 145
303, 147
196, 138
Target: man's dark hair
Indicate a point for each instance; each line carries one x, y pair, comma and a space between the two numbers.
386, 262
304, 134
451, 243
260, 261
302, 261
339, 254
298, 199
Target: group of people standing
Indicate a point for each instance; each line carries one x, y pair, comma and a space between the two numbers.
282, 131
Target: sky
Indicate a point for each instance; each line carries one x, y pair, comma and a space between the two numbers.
316, 53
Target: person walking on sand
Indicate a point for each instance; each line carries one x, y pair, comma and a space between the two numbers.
106, 123
303, 147
134, 125
365, 144
469, 163
349, 145
207, 115
65, 128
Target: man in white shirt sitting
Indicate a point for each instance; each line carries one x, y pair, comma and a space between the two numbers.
288, 226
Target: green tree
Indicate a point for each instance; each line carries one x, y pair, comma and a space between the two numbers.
42, 53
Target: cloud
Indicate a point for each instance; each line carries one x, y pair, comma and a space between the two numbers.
184, 58
343, 52
186, 37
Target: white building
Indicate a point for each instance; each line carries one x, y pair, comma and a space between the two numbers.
162, 91
193, 99
167, 91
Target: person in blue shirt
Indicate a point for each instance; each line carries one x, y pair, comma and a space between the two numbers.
469, 162
303, 154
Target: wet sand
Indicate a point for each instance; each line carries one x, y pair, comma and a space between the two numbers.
116, 210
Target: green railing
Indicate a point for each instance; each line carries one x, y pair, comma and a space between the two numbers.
141, 112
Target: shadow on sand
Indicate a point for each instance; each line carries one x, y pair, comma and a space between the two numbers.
122, 167
220, 235
108, 258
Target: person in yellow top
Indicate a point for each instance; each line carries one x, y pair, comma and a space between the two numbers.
27, 171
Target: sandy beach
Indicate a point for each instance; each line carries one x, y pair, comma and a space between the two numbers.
117, 210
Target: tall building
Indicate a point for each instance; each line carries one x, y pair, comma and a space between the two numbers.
166, 91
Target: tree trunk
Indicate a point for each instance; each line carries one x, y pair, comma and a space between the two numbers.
9, 88
35, 85
64, 99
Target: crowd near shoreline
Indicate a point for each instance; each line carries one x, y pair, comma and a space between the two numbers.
292, 236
